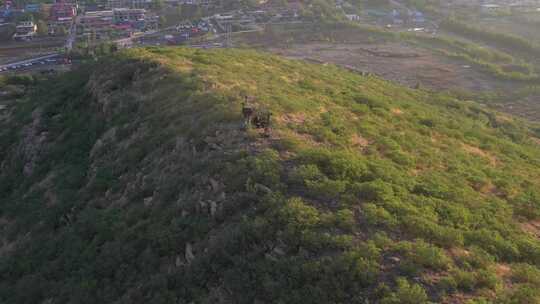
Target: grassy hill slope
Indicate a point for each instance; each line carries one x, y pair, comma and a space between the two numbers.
133, 181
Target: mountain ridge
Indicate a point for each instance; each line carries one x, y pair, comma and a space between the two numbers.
133, 180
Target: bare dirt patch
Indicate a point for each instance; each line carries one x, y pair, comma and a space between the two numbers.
399, 62
397, 111
502, 270
532, 227
359, 141
296, 118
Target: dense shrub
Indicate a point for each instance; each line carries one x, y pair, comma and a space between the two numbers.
420, 254
406, 293
525, 273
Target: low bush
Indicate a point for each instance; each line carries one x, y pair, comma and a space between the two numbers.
420, 255
406, 293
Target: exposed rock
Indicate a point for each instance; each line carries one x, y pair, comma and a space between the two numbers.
147, 181
209, 140
202, 207
394, 259
32, 144
178, 261
108, 136
189, 256
279, 251
222, 196
214, 146
148, 201
214, 184
180, 143
263, 188
166, 265
270, 257
213, 209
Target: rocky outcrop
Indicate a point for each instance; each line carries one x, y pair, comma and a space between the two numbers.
189, 256
33, 143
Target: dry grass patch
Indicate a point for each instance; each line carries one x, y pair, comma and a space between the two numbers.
359, 141
293, 118
397, 111
479, 152
502, 270
532, 227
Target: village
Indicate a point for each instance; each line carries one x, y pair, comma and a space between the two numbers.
65, 28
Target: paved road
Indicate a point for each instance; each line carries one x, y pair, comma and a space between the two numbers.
28, 61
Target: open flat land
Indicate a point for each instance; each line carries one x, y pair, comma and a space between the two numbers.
398, 62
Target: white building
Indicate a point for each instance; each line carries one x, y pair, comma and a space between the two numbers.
25, 31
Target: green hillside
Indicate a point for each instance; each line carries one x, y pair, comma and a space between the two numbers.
133, 181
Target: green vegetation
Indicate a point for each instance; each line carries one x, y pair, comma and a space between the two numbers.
496, 63
7, 31
283, 35
132, 181
502, 40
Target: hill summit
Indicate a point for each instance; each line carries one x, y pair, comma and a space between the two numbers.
137, 180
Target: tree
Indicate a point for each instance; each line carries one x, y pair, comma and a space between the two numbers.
157, 4
198, 13
179, 12
7, 31
42, 28
162, 21
61, 31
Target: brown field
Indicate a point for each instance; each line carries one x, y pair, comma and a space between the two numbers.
397, 62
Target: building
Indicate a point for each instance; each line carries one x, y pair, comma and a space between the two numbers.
97, 21
491, 8
146, 4
352, 17
62, 11
140, 4
417, 18
46, 10
203, 3
25, 31
128, 15
4, 16
5, 11
61, 16
32, 8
